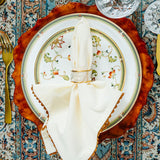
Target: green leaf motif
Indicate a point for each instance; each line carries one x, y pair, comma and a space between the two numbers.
47, 58
65, 77
111, 59
96, 41
115, 85
94, 72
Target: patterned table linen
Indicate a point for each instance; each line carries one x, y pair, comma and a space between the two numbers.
21, 139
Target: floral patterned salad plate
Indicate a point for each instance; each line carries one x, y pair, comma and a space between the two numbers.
47, 59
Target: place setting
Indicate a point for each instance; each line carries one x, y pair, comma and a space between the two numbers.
50, 74
82, 74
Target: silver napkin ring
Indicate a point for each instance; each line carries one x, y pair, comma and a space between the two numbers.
81, 76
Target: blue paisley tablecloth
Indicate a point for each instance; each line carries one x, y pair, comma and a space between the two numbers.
21, 139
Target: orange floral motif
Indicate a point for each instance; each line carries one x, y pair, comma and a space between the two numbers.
98, 52
111, 73
55, 72
57, 42
69, 57
44, 74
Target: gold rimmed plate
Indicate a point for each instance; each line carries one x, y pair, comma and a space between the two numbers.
115, 59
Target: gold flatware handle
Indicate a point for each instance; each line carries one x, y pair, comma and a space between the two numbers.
2, 1
8, 114
7, 56
158, 54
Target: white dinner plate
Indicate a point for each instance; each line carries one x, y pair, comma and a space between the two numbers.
115, 59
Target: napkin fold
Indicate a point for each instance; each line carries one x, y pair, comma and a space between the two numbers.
76, 110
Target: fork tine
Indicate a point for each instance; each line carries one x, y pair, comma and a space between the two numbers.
6, 44
9, 40
2, 42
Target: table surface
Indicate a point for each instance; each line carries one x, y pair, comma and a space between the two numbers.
21, 139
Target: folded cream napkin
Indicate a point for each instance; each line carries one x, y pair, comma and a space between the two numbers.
76, 111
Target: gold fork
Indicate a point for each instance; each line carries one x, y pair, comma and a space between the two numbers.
7, 55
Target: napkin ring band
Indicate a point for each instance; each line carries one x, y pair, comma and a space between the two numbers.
86, 70
81, 76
